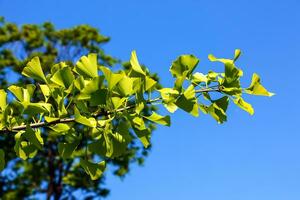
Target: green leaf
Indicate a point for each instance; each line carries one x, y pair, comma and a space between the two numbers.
91, 122
3, 100
87, 66
2, 159
90, 87
126, 86
34, 137
256, 88
169, 96
188, 101
46, 91
112, 78
244, 105
51, 119
95, 170
237, 54
144, 136
218, 109
171, 107
22, 94
110, 145
212, 58
149, 83
34, 70
63, 77
60, 128
163, 120
98, 98
22, 148
140, 129
36, 108
136, 69
118, 102
199, 78
66, 150
184, 65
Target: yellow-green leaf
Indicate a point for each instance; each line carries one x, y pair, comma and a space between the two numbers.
244, 105
135, 65
256, 87
3, 99
87, 66
91, 122
112, 78
63, 77
34, 70
163, 120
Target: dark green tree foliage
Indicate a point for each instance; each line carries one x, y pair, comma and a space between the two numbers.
74, 119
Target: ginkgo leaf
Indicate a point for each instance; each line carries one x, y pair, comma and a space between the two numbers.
63, 77
163, 120
91, 122
218, 109
184, 65
199, 78
3, 99
244, 105
60, 128
34, 137
188, 101
34, 70
87, 66
66, 150
149, 83
135, 65
256, 87
94, 170
126, 86
237, 54
22, 94
112, 78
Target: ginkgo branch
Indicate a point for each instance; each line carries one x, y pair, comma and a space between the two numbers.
99, 114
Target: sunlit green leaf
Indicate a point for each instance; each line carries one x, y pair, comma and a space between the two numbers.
163, 120
63, 77
91, 122
87, 66
188, 101
60, 128
256, 88
34, 70
136, 69
244, 105
184, 65
3, 99
22, 94
126, 86
112, 78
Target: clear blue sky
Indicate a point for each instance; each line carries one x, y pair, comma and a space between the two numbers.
247, 158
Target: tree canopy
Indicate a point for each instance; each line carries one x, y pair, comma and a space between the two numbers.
72, 119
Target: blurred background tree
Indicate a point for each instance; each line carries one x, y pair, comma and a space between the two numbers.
46, 173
